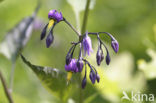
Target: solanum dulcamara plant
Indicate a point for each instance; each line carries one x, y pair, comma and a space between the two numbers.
75, 65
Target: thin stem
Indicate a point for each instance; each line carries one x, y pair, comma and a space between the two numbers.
77, 21
12, 76
82, 31
78, 34
85, 17
7, 93
80, 53
92, 33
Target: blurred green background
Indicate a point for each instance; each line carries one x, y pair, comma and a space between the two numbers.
132, 23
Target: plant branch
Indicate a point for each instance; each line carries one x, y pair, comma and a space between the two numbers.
92, 33
82, 31
7, 93
85, 17
78, 34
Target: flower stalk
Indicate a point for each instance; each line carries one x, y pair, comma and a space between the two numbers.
7, 93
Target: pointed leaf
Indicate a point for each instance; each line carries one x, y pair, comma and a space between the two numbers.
18, 37
51, 78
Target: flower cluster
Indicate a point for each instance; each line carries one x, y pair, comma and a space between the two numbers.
54, 18
74, 65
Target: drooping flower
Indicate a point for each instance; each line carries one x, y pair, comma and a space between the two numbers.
49, 39
54, 14
87, 44
84, 82
43, 34
97, 78
115, 45
99, 56
80, 65
68, 58
108, 58
72, 66
54, 18
92, 76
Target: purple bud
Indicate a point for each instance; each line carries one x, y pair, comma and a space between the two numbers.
92, 76
50, 39
87, 44
68, 59
43, 34
72, 66
102, 56
80, 65
84, 82
107, 58
97, 78
115, 45
98, 57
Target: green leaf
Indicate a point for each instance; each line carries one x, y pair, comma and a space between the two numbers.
53, 79
148, 68
18, 37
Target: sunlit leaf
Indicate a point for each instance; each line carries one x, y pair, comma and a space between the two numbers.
17, 37
149, 68
53, 79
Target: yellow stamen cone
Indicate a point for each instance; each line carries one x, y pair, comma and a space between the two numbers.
69, 76
51, 23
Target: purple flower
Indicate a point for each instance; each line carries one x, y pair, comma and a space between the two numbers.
49, 39
92, 76
72, 66
108, 58
80, 65
84, 81
54, 14
87, 44
115, 45
97, 78
99, 56
68, 58
43, 34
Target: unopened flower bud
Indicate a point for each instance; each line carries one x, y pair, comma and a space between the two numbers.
115, 45
50, 39
80, 65
102, 56
43, 34
68, 58
92, 76
98, 57
107, 58
97, 78
84, 82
